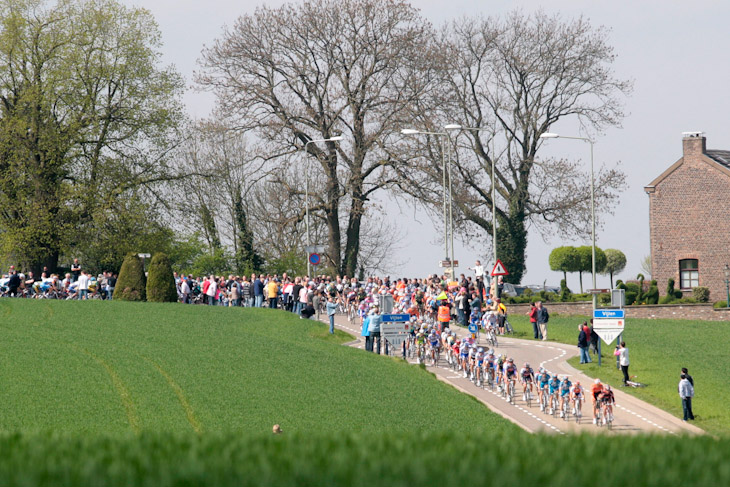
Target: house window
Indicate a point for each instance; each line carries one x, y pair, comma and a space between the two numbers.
689, 275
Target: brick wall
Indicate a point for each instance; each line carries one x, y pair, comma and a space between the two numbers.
668, 311
689, 218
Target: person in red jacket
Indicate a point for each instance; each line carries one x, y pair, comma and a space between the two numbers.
533, 321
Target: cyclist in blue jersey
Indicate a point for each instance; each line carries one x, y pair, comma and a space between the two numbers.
553, 387
565, 386
543, 379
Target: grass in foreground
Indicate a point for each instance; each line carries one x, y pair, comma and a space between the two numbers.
114, 368
445, 458
658, 349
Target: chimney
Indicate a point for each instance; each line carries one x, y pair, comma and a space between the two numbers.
693, 143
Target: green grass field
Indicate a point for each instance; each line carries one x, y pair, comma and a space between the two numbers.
118, 394
113, 367
658, 349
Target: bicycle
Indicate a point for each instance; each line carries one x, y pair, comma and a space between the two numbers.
554, 404
512, 391
578, 406
566, 409
528, 397
544, 400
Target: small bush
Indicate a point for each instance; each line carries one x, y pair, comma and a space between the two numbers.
565, 294
701, 294
131, 285
630, 297
720, 304
161, 282
666, 299
604, 299
652, 295
670, 286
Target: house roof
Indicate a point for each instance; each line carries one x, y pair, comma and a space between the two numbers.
720, 156
717, 158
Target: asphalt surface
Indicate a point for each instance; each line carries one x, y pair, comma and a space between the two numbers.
631, 415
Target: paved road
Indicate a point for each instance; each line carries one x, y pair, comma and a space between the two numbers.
631, 414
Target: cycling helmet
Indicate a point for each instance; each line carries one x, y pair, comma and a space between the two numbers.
491, 351
510, 359
527, 365
597, 381
480, 350
577, 383
608, 388
446, 330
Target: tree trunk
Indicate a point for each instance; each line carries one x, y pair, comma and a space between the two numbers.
512, 245
580, 276
352, 249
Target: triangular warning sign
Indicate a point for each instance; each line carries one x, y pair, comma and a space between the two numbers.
608, 335
499, 269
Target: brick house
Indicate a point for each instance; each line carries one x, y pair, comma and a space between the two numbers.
689, 219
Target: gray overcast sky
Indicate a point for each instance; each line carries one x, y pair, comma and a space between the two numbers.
675, 51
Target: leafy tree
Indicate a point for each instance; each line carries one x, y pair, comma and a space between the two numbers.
585, 259
161, 283
246, 258
615, 263
218, 263
131, 284
85, 117
564, 259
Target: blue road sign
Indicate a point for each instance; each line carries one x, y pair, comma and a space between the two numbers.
607, 313
473, 328
396, 318
314, 258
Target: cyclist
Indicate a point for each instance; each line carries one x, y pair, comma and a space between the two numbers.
553, 388
510, 373
543, 379
420, 346
606, 400
576, 395
527, 377
479, 358
490, 363
499, 368
464, 356
434, 342
596, 390
565, 386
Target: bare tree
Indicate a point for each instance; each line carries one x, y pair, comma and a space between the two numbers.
318, 69
512, 79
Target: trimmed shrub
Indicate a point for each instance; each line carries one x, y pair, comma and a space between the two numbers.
565, 294
652, 295
630, 297
701, 294
161, 282
666, 299
720, 304
131, 284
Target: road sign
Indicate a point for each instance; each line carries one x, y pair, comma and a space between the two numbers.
314, 249
608, 313
396, 332
399, 318
473, 328
597, 291
447, 263
499, 269
609, 328
314, 258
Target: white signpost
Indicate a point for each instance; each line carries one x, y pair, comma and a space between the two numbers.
608, 324
395, 331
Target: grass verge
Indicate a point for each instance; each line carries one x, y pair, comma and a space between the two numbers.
658, 349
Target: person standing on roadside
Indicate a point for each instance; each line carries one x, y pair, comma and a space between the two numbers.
374, 329
593, 339
75, 270
623, 360
533, 321
331, 310
686, 393
258, 291
479, 276
366, 332
542, 320
689, 377
583, 343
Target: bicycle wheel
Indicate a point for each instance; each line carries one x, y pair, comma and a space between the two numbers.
529, 398
511, 392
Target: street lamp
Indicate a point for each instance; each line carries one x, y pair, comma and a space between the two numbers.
548, 135
448, 220
455, 126
306, 197
727, 284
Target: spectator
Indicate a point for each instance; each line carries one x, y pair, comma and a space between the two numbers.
331, 310
111, 283
366, 332
583, 342
543, 316
75, 270
308, 311
13, 283
593, 339
83, 285
272, 292
185, 291
533, 321
211, 291
247, 292
374, 328
258, 291
686, 393
623, 360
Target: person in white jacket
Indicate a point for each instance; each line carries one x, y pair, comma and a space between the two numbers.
686, 393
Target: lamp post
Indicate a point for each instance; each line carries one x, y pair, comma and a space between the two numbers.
448, 215
727, 285
548, 135
306, 197
455, 126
